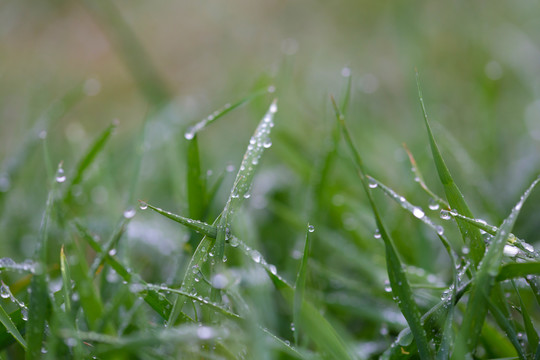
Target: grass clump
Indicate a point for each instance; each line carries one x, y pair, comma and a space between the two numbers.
224, 288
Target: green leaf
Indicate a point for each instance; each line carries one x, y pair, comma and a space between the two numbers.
195, 181
396, 274
483, 282
471, 235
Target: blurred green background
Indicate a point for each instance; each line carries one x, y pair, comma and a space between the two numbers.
172, 63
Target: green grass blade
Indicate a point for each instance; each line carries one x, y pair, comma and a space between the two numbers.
66, 280
396, 274
198, 226
195, 181
11, 328
95, 149
199, 126
476, 307
300, 286
111, 244
532, 335
39, 296
515, 270
506, 325
471, 235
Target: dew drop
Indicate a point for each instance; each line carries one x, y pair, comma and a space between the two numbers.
387, 286
311, 228
256, 256
4, 291
219, 281
189, 135
439, 229
419, 213
273, 107
205, 333
267, 143
510, 250
129, 213
372, 184
143, 205
60, 175
24, 313
377, 234
465, 250
445, 215
433, 205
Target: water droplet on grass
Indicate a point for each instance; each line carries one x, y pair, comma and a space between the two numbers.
439, 229
465, 250
189, 135
129, 213
510, 250
60, 175
311, 228
433, 205
377, 234
4, 291
419, 213
387, 286
219, 281
267, 143
205, 333
445, 215
143, 205
372, 184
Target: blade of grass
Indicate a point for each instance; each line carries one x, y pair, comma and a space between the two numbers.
300, 286
397, 276
11, 328
93, 151
515, 270
471, 235
113, 241
532, 335
483, 282
258, 143
66, 280
506, 325
198, 226
199, 126
39, 296
195, 181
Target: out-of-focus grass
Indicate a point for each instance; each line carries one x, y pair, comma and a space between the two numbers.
115, 290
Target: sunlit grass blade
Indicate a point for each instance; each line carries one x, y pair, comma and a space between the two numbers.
39, 296
471, 235
93, 151
321, 332
11, 328
199, 126
300, 286
483, 282
198, 226
156, 301
396, 274
532, 335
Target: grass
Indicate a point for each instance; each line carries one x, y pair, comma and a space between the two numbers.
296, 256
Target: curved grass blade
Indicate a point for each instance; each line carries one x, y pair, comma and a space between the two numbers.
515, 270
259, 142
311, 321
95, 149
11, 328
199, 126
471, 235
39, 296
397, 276
198, 226
300, 286
476, 307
